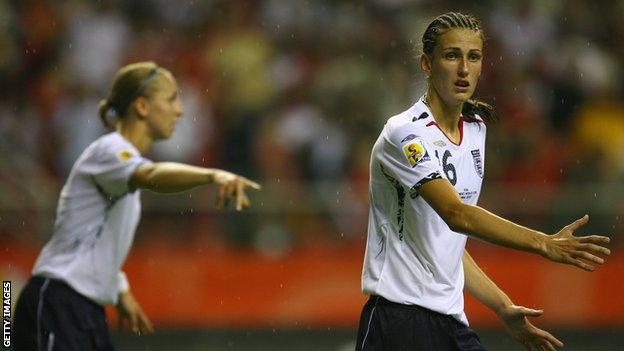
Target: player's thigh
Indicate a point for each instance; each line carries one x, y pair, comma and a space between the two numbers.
74, 323
25, 318
390, 326
466, 339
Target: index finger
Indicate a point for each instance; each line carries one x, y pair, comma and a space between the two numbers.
594, 239
146, 324
251, 183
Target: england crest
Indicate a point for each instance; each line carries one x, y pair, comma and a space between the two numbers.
478, 163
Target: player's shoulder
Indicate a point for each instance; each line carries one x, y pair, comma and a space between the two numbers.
113, 145
409, 124
475, 125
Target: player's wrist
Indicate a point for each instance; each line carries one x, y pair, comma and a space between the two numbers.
540, 244
210, 174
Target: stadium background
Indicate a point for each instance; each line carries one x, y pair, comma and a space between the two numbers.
293, 94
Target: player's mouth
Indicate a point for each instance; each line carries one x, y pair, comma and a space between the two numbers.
462, 85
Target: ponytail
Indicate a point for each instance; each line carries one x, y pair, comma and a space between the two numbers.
104, 108
474, 107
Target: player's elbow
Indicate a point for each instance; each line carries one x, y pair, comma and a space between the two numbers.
456, 217
143, 177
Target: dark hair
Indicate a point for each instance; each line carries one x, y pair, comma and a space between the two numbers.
441, 25
130, 82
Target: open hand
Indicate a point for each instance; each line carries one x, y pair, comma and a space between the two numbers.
563, 247
132, 316
232, 186
515, 320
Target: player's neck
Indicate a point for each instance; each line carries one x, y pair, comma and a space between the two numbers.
446, 116
136, 133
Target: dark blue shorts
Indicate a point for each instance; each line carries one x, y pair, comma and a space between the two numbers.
51, 316
390, 326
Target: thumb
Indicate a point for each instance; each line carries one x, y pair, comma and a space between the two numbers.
578, 223
529, 312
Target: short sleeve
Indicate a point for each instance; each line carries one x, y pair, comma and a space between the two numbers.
410, 160
112, 165
122, 282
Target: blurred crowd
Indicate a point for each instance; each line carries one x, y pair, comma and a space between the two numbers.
294, 94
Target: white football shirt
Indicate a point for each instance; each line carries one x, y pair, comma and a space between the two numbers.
96, 219
412, 256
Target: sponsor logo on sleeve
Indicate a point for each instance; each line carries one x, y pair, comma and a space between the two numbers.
125, 155
478, 162
416, 153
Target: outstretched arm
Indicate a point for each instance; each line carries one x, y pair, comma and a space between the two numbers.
561, 247
513, 317
171, 177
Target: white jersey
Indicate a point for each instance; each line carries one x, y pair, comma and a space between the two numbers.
412, 256
96, 219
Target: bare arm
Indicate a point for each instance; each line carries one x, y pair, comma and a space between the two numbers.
475, 221
171, 177
482, 287
513, 317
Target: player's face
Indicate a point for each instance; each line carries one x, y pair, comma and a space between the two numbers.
165, 107
455, 67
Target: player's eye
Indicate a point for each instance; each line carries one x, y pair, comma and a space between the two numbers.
173, 96
474, 57
450, 56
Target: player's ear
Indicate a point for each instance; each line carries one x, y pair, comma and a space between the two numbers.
425, 65
141, 107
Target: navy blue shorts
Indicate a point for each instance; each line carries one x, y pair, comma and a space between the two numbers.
51, 316
390, 326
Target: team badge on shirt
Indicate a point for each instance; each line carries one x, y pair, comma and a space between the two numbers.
416, 153
478, 164
125, 155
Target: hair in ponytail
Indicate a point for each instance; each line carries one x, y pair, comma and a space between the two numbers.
130, 82
441, 25
473, 108
104, 113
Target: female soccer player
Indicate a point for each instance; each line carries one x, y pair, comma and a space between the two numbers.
78, 270
426, 172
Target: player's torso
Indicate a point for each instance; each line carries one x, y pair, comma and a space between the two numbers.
462, 162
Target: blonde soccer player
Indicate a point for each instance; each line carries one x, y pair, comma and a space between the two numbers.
79, 269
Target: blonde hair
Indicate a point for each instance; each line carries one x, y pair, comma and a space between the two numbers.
130, 82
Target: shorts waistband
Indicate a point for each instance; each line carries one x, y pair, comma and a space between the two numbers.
380, 300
